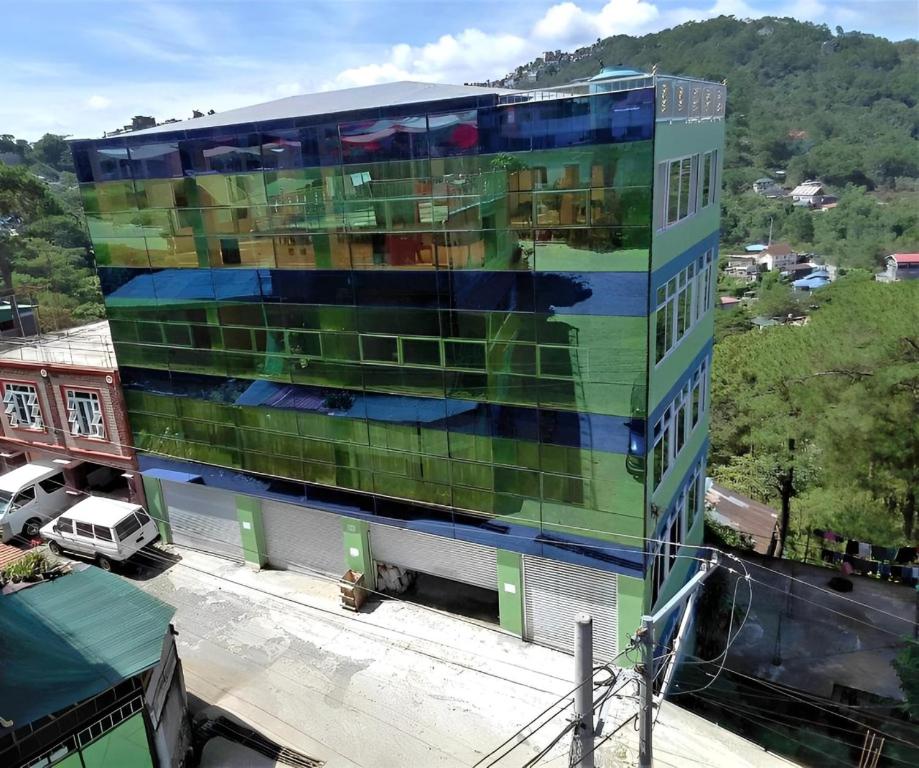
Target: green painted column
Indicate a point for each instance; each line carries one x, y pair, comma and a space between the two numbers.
510, 591
356, 540
156, 507
249, 513
631, 607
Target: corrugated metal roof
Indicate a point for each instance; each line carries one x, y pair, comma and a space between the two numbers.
66, 640
328, 103
906, 258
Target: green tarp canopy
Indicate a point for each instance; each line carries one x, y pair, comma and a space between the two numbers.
66, 640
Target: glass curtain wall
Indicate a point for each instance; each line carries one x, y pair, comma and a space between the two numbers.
446, 306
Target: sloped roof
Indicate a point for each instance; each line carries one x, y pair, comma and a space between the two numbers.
779, 249
327, 103
808, 188
66, 640
906, 258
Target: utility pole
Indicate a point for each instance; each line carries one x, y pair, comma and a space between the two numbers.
646, 639
582, 755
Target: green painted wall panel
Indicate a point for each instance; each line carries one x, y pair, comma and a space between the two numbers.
356, 542
127, 746
251, 530
630, 609
510, 591
156, 506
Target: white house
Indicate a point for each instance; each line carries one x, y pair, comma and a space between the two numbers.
778, 256
808, 193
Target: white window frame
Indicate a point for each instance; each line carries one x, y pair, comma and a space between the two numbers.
22, 406
686, 297
84, 413
689, 173
680, 409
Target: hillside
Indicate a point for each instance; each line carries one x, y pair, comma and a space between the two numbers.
839, 107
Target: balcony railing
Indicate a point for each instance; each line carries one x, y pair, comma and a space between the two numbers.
678, 98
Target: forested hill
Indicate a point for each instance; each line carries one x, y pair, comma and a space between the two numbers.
839, 107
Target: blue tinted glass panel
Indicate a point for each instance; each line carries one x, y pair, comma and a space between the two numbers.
508, 291
597, 293
403, 138
230, 153
156, 158
454, 133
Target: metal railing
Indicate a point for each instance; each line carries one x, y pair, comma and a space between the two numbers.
677, 98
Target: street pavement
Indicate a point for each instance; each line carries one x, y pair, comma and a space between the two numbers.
397, 685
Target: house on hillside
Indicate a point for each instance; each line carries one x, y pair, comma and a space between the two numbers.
900, 266
767, 188
778, 256
728, 302
808, 193
742, 267
91, 677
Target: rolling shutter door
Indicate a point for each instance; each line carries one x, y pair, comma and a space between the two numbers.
554, 592
303, 539
437, 555
203, 518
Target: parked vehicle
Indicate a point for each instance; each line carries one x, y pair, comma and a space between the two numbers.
30, 496
107, 530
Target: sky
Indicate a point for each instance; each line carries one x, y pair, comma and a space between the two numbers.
81, 67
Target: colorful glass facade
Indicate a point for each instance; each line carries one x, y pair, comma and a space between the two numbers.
437, 314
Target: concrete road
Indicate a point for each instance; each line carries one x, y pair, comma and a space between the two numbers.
397, 686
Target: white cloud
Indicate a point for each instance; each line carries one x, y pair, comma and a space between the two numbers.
568, 23
98, 102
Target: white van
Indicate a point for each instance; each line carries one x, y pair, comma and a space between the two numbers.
104, 529
30, 496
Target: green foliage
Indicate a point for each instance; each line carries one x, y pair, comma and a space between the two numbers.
52, 150
47, 260
724, 536
907, 666
846, 388
63, 230
841, 109
27, 567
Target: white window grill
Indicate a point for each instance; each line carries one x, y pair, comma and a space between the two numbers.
84, 414
22, 407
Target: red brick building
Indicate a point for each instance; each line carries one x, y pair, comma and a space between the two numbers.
62, 401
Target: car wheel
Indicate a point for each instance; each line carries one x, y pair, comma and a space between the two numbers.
104, 563
31, 528
55, 548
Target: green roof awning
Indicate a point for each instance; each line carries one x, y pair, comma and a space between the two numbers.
66, 640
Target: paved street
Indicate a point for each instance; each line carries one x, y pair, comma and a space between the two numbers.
398, 685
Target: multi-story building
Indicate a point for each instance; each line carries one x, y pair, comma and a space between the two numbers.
62, 402
453, 329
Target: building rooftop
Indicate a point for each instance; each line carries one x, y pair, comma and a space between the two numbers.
678, 99
329, 102
66, 640
88, 345
740, 512
905, 258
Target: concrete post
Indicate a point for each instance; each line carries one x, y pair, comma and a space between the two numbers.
583, 698
646, 705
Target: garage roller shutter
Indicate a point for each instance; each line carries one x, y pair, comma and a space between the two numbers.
437, 555
303, 539
203, 518
554, 592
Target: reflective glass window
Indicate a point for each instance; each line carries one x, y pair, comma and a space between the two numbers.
230, 153
155, 158
101, 161
464, 354
454, 133
384, 139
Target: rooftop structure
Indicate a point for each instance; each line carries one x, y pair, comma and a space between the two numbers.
59, 644
88, 345
450, 326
